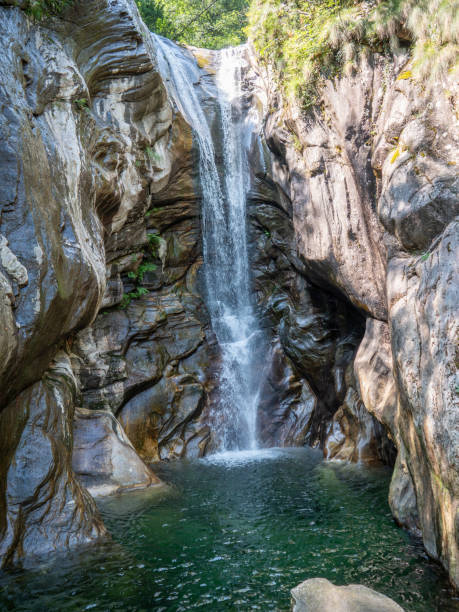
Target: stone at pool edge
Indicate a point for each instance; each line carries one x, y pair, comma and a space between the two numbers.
104, 460
320, 595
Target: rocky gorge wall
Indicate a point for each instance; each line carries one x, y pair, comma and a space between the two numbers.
85, 136
372, 176
108, 359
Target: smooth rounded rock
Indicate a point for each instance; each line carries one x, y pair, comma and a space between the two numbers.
320, 595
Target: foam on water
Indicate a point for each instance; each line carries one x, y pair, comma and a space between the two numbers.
236, 458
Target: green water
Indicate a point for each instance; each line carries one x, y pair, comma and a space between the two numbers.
238, 534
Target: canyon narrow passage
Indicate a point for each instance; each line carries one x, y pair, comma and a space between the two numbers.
229, 305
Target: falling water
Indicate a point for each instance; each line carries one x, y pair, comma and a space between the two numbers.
224, 233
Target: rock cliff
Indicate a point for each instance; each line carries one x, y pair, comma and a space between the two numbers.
372, 176
85, 124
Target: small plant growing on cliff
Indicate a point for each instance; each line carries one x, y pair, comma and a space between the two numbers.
297, 144
137, 275
39, 9
81, 103
154, 241
152, 155
151, 211
148, 266
132, 295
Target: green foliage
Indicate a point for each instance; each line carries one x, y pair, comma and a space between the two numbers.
307, 41
203, 23
39, 9
138, 275
154, 241
157, 18
289, 37
132, 295
81, 103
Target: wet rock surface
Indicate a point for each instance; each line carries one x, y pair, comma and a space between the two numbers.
313, 332
43, 507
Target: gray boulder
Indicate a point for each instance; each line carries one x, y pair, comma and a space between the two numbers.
320, 595
104, 460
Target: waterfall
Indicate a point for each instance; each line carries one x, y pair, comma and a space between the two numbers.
224, 232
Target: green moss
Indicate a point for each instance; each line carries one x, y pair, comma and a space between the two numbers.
152, 155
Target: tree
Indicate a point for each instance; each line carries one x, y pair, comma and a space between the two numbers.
210, 23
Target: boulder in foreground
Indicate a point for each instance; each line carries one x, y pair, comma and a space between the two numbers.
320, 595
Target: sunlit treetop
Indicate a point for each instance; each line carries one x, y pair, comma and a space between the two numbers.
212, 24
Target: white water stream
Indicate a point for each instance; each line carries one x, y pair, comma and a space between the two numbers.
224, 232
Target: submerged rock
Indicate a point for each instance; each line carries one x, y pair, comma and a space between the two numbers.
320, 595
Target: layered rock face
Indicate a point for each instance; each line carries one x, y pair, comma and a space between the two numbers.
82, 107
372, 178
107, 355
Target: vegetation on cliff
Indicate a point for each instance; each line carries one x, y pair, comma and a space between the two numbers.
308, 41
212, 24
45, 8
